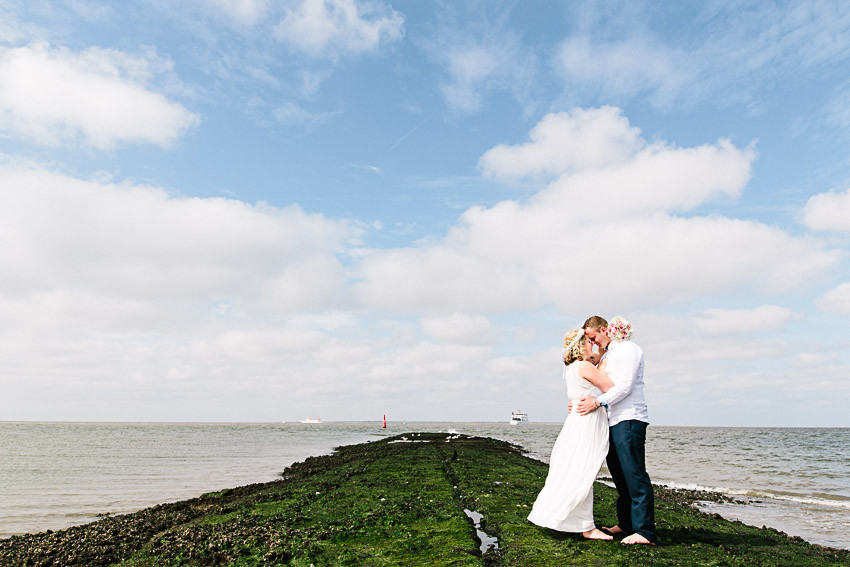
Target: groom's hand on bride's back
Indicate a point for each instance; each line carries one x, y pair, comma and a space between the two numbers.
587, 405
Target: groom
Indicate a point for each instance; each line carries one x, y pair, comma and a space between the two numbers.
628, 419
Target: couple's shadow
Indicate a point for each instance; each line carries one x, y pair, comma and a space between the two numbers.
684, 535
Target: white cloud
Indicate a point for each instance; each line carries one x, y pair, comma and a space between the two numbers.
525, 334
13, 28
528, 377
493, 59
806, 33
700, 377
469, 69
135, 246
828, 211
836, 300
604, 235
123, 296
459, 328
741, 52
567, 142
444, 279
311, 80
600, 158
509, 258
625, 68
334, 28
244, 12
53, 95
92, 11
293, 114
657, 178
835, 111
814, 359
742, 321
240, 368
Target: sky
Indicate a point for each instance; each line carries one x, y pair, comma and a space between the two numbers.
256, 210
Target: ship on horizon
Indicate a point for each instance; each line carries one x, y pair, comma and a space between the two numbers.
518, 417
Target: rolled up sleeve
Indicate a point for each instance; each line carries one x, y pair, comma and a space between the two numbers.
622, 364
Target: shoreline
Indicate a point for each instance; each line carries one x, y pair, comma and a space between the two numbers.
389, 501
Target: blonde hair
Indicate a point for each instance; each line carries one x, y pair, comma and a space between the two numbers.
595, 322
573, 344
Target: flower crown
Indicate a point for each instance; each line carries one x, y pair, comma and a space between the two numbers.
568, 347
619, 329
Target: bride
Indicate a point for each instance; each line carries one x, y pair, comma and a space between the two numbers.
566, 501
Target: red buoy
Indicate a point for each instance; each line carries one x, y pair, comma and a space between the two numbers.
385, 421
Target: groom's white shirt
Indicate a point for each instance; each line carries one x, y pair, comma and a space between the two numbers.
625, 368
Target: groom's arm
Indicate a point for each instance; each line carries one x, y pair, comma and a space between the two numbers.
622, 368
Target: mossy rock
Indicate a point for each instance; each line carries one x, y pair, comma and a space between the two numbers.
401, 501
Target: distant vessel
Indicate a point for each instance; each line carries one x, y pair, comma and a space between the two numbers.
518, 417
311, 420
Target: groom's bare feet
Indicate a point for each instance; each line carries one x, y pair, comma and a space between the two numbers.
596, 534
616, 530
636, 539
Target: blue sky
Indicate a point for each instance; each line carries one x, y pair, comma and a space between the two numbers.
252, 210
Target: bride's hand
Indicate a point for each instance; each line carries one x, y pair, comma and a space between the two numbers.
603, 364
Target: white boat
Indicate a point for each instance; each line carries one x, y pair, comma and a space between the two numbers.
311, 420
518, 417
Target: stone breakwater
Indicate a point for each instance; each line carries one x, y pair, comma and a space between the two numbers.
402, 501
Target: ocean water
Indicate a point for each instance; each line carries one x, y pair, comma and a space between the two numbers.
55, 475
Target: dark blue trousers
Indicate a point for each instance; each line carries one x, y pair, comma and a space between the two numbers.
626, 462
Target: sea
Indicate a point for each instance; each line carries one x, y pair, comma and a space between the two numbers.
56, 475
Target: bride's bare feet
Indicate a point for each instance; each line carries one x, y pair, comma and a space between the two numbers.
636, 539
596, 534
615, 530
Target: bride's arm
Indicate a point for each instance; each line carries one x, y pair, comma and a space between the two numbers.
595, 376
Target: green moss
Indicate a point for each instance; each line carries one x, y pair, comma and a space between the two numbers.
395, 503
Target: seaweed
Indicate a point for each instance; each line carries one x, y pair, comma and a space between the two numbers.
403, 501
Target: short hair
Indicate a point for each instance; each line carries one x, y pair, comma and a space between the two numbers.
574, 353
595, 322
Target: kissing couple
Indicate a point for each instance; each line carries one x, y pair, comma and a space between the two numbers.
607, 421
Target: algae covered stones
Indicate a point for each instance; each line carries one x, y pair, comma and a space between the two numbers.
401, 501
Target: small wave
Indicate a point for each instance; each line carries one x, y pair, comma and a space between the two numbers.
801, 499
828, 502
692, 486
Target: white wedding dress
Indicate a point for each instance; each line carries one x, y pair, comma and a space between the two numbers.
566, 501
